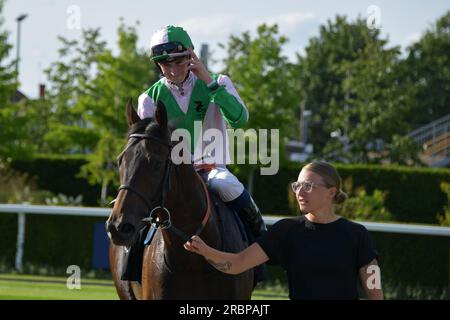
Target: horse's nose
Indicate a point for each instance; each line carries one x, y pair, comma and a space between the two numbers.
111, 227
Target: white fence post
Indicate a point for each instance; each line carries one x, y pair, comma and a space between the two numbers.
20, 240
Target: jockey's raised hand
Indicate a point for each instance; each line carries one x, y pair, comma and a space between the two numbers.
198, 68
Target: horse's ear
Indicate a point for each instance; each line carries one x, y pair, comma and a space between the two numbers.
132, 116
161, 114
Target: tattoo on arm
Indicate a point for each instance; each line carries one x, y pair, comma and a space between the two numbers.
222, 266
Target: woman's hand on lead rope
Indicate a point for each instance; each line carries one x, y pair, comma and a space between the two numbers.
197, 245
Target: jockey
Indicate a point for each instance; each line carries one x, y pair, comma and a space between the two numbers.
195, 98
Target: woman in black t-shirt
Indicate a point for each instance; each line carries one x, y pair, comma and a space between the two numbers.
323, 254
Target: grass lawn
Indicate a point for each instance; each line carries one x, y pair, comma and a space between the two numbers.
30, 287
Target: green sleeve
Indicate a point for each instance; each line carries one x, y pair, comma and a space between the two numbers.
233, 111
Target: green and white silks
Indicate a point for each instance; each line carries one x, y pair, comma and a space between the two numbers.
195, 108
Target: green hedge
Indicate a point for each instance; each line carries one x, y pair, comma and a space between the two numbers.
53, 242
413, 194
59, 174
8, 234
60, 241
414, 259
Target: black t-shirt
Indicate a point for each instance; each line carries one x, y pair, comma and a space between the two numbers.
321, 260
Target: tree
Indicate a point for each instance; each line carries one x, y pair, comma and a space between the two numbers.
264, 78
8, 82
358, 93
428, 65
118, 78
322, 75
12, 115
376, 105
69, 127
90, 86
266, 82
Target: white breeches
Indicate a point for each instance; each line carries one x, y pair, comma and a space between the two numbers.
222, 181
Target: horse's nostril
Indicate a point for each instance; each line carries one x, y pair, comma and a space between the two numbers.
110, 226
126, 228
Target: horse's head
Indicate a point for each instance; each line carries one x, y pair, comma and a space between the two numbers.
142, 167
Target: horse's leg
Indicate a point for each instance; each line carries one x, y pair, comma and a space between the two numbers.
137, 289
126, 290
152, 269
146, 275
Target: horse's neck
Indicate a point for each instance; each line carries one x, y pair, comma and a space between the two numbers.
189, 192
188, 212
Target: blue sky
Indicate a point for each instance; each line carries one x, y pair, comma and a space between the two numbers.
209, 22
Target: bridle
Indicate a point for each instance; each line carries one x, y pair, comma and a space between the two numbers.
154, 218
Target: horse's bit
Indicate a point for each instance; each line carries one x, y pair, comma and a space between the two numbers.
153, 217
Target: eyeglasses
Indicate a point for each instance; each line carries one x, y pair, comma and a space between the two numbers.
306, 186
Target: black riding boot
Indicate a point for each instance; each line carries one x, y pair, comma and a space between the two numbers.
251, 216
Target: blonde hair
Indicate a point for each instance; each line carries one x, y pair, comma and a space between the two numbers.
330, 177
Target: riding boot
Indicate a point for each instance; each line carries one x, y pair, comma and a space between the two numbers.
249, 213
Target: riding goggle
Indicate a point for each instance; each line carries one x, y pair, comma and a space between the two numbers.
168, 51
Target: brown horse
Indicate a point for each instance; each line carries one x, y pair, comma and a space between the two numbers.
175, 200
